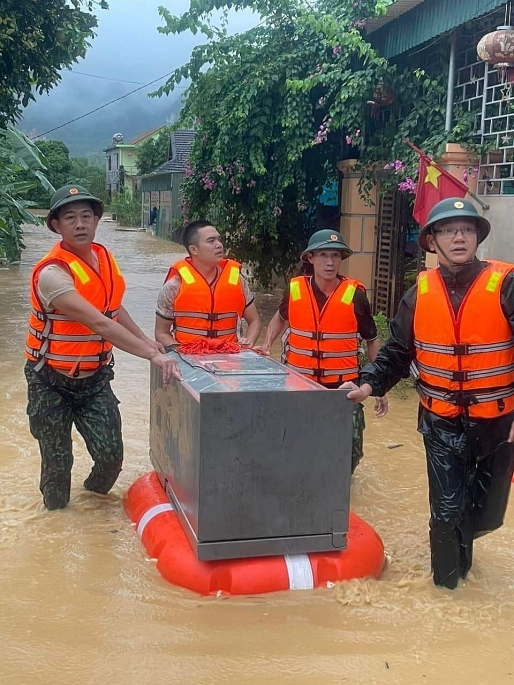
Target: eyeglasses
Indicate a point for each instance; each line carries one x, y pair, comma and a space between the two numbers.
453, 230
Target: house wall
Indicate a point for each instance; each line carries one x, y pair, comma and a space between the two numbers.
176, 210
123, 154
128, 159
499, 244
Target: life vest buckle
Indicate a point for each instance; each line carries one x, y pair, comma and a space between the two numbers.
317, 335
462, 399
460, 376
460, 349
212, 334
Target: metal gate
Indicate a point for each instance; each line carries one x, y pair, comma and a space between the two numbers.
397, 257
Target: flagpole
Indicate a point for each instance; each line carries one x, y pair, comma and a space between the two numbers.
475, 197
416, 149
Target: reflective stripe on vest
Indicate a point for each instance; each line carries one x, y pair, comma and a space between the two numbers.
465, 361
465, 349
55, 339
322, 344
318, 354
48, 316
98, 358
465, 375
207, 317
474, 398
318, 335
323, 373
202, 311
40, 335
209, 334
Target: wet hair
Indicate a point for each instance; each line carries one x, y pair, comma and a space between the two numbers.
190, 234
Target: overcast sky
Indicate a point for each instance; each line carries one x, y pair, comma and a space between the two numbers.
127, 47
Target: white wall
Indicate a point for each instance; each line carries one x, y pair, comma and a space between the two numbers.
500, 243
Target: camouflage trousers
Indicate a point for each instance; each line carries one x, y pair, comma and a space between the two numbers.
55, 403
359, 425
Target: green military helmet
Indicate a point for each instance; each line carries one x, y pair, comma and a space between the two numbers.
453, 207
326, 239
72, 193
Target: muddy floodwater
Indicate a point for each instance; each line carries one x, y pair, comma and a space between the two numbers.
80, 603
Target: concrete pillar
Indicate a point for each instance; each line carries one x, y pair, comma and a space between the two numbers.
456, 160
357, 226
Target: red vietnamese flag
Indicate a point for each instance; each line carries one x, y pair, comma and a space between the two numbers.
434, 184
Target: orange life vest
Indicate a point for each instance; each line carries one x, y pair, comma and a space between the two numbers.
323, 344
60, 342
204, 311
465, 362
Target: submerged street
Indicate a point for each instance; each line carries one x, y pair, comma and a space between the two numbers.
82, 604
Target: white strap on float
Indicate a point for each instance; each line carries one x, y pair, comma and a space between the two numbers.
152, 513
299, 570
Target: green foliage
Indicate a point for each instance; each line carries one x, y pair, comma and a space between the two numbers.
56, 158
418, 114
153, 152
17, 154
89, 174
269, 106
127, 207
37, 40
277, 106
382, 324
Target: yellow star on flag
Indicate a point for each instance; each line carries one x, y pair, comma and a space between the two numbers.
433, 174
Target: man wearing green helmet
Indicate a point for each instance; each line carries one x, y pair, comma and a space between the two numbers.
77, 316
325, 314
455, 326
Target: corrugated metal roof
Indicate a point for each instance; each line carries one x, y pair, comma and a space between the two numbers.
180, 144
428, 20
395, 10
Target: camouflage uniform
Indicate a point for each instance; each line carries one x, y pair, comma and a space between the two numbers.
359, 425
55, 402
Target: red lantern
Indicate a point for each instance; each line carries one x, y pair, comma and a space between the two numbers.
497, 49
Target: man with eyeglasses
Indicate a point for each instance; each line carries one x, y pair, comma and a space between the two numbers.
455, 328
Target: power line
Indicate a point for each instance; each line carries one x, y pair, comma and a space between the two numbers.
97, 109
106, 78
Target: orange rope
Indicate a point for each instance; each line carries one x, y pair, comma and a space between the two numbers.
209, 346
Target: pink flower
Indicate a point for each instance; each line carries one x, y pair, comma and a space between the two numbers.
336, 50
395, 166
407, 186
276, 211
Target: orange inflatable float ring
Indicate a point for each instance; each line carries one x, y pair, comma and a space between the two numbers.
148, 507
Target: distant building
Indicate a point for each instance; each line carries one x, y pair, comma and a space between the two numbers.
120, 162
161, 188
